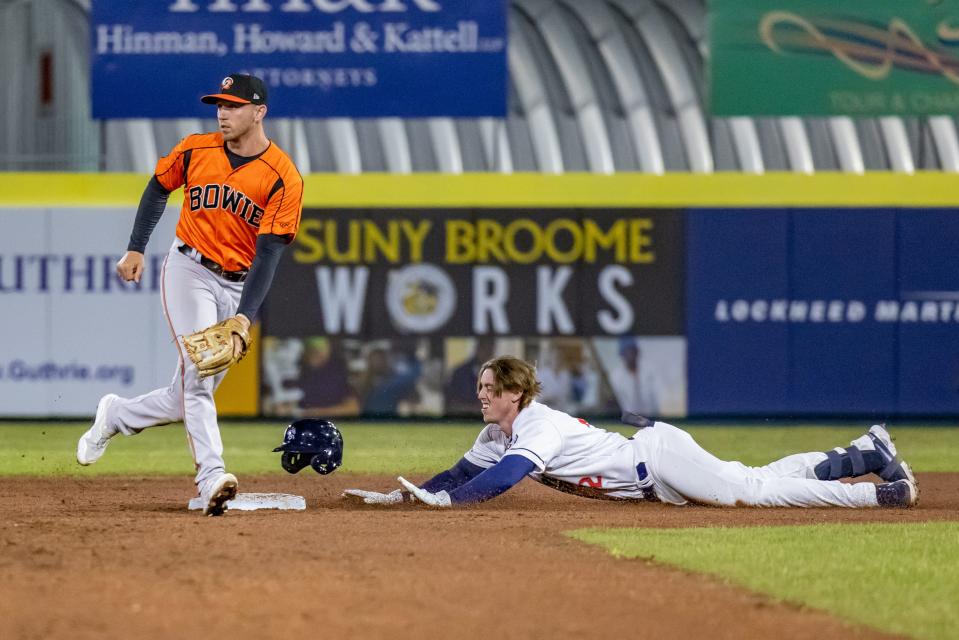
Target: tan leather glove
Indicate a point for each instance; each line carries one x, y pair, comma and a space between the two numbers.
212, 350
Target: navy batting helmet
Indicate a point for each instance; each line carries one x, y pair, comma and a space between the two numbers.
312, 442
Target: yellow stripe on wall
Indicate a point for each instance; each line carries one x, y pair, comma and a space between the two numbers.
71, 189
923, 189
633, 190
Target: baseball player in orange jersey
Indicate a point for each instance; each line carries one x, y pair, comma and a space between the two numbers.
241, 207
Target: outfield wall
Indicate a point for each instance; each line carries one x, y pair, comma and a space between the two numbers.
742, 295
819, 311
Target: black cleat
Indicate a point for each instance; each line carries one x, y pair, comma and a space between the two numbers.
900, 494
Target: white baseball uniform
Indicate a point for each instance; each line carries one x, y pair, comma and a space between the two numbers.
572, 455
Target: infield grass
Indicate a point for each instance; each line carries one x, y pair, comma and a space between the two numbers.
48, 448
901, 578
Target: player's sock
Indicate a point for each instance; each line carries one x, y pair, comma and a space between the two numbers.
850, 463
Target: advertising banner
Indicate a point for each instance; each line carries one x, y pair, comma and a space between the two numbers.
73, 331
400, 307
319, 58
805, 312
388, 273
820, 57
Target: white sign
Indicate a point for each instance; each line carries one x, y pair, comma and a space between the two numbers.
72, 330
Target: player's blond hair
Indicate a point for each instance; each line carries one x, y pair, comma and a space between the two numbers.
514, 375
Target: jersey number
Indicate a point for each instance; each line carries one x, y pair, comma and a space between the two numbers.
589, 481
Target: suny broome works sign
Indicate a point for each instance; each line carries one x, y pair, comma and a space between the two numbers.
319, 58
384, 273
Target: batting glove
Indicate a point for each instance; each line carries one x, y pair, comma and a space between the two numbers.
439, 499
372, 497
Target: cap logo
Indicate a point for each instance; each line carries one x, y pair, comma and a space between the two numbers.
227, 83
256, 96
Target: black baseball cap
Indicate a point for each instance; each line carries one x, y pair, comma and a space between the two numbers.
240, 88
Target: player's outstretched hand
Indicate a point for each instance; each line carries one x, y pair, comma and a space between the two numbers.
439, 499
130, 266
373, 497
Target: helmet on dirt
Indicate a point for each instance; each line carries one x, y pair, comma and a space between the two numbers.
312, 442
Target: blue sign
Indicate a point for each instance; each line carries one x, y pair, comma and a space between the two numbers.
817, 312
319, 58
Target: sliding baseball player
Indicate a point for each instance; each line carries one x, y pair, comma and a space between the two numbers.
659, 462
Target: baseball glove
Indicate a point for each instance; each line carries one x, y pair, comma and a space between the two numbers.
211, 349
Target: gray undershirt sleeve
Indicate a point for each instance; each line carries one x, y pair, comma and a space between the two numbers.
269, 248
152, 205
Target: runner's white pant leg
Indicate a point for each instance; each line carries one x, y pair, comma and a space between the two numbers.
683, 469
798, 465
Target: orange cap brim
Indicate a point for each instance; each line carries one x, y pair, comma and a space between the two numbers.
216, 97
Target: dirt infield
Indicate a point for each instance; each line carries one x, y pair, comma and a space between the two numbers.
123, 558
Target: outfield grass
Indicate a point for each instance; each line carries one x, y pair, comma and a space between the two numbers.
902, 578
48, 448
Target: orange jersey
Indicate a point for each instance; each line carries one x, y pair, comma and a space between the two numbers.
225, 209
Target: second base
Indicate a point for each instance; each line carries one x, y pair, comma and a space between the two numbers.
256, 501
